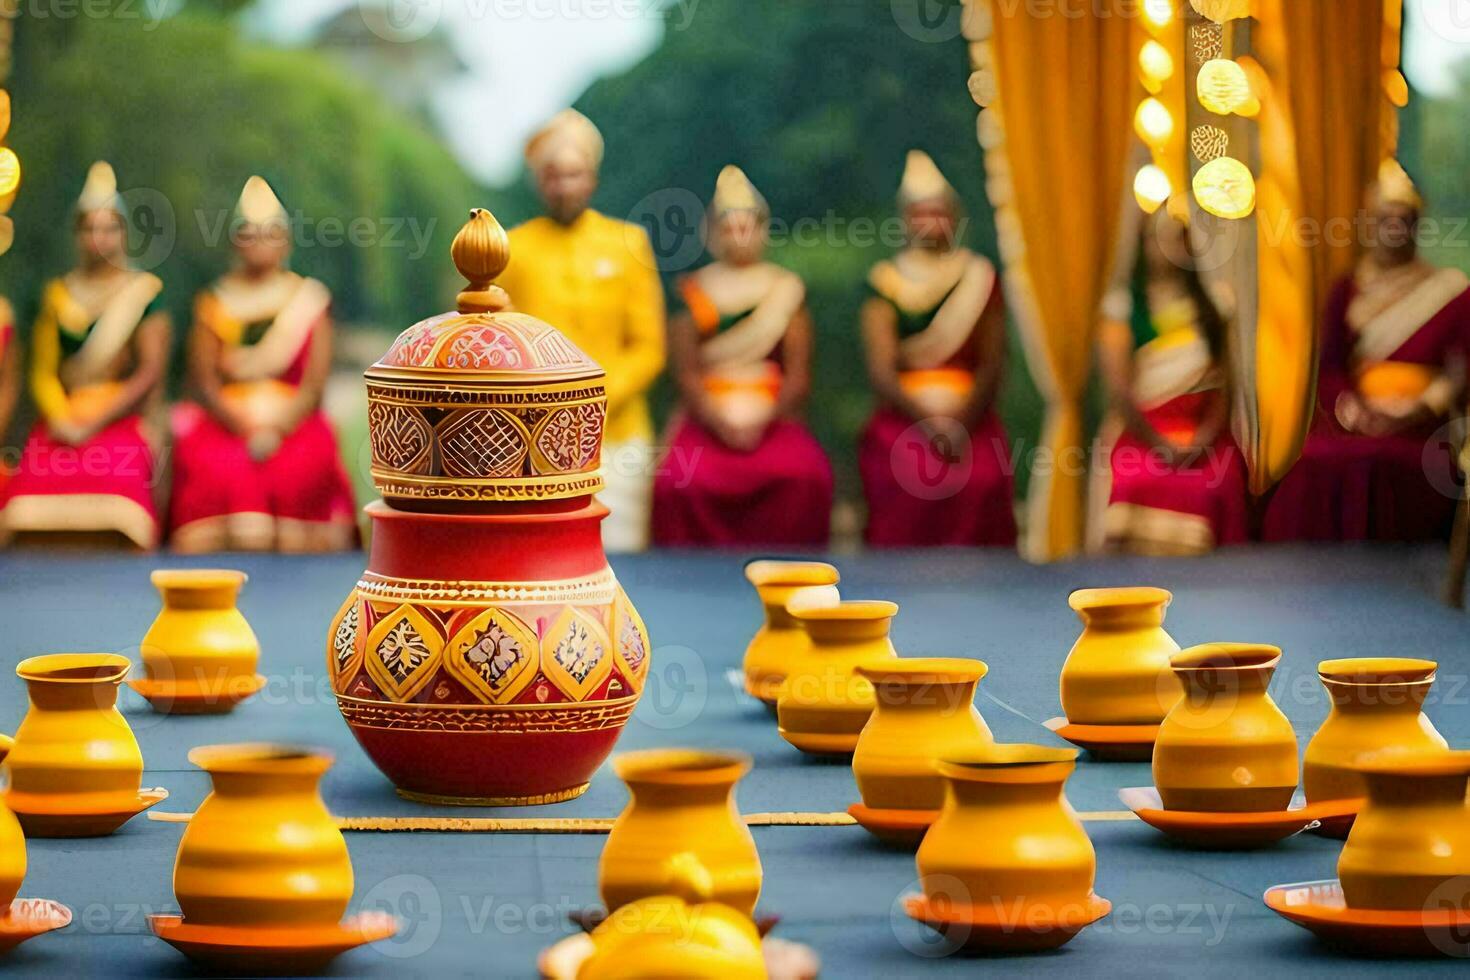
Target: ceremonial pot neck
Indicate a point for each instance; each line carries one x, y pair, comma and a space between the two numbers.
73, 681
1213, 672
261, 770
681, 777
509, 543
1007, 774
1121, 609
1386, 685
925, 685
198, 588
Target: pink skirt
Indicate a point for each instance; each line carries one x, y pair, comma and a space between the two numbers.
1359, 488
778, 495
921, 495
298, 499
104, 485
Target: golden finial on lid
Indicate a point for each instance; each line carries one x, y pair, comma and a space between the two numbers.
481, 251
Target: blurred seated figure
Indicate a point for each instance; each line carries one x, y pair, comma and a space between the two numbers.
9, 385
935, 459
1394, 341
1167, 473
256, 465
100, 348
595, 278
741, 469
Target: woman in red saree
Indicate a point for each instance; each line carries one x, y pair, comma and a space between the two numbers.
100, 347
1394, 339
741, 469
256, 465
1167, 476
935, 460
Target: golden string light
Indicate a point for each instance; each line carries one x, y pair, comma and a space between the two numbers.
9, 162
1223, 186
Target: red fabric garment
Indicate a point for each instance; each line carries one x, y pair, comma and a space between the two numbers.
778, 495
117, 462
1213, 486
918, 498
214, 474
1351, 487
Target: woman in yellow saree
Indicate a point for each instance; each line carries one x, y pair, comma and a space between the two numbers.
100, 349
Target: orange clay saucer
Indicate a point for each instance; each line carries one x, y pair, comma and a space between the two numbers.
1318, 906
30, 917
1337, 825
184, 698
1232, 830
40, 816
901, 827
1004, 928
822, 743
1119, 743
255, 952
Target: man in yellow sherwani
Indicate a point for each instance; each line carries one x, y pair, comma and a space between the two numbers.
596, 279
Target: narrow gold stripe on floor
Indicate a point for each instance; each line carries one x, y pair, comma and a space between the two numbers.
575, 825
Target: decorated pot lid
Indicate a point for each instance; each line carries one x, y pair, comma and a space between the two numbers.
485, 404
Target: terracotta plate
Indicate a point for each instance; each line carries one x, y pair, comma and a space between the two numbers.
246, 951
1004, 929
1121, 743
171, 698
30, 917
40, 817
1318, 906
1231, 830
903, 827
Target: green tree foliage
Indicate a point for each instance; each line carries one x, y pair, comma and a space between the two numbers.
819, 103
186, 110
1441, 160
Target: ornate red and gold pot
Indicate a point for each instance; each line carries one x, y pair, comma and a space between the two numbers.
487, 656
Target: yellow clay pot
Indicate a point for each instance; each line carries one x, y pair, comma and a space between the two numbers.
1007, 840
74, 751
1376, 705
781, 643
1226, 747
1118, 670
200, 641
664, 936
681, 833
824, 704
12, 847
262, 850
1409, 848
924, 711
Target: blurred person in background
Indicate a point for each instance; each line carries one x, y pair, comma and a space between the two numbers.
1167, 474
595, 279
935, 458
100, 350
256, 464
9, 383
741, 468
1394, 343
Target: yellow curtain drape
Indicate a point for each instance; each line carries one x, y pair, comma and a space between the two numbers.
1326, 124
1062, 91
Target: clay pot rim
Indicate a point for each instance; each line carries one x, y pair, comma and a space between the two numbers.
681, 767
846, 611
1084, 600
197, 578
1226, 657
1391, 762
761, 572
1011, 755
104, 668
380, 510
925, 670
1377, 671
478, 706
261, 758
